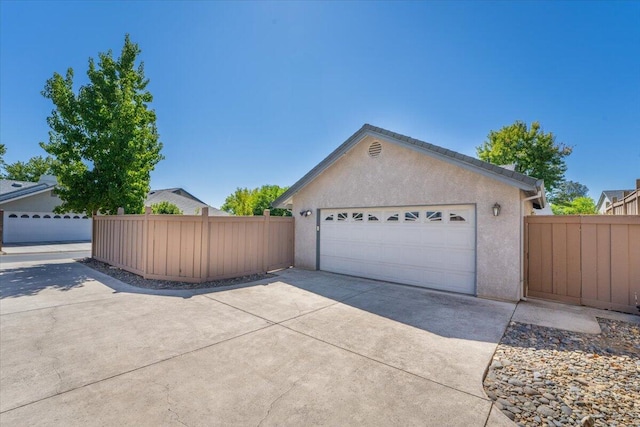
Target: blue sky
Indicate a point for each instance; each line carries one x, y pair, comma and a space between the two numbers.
254, 93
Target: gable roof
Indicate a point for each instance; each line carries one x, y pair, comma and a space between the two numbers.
526, 183
609, 195
13, 190
184, 200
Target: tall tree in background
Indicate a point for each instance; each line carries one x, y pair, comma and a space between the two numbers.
3, 151
533, 152
253, 202
578, 206
104, 138
570, 198
31, 170
567, 191
240, 202
263, 198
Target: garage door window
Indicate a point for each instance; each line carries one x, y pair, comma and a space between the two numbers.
372, 218
454, 217
413, 216
434, 216
329, 218
357, 216
393, 218
343, 216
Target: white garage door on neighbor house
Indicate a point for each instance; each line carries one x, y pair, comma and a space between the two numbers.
428, 246
31, 227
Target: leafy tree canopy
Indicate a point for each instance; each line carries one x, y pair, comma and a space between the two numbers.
103, 138
3, 151
253, 202
533, 152
31, 170
578, 206
567, 191
165, 208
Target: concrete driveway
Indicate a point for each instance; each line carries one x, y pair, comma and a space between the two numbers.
305, 348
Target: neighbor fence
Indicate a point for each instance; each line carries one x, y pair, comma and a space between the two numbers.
193, 248
628, 205
586, 260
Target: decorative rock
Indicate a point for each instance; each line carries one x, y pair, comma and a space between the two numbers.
546, 411
557, 378
566, 410
587, 421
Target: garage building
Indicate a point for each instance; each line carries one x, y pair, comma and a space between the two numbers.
390, 207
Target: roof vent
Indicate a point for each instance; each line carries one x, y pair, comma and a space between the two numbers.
15, 184
375, 149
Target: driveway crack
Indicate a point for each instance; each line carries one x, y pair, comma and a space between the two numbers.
278, 399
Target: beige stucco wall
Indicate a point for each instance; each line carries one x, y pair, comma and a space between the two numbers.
43, 202
401, 176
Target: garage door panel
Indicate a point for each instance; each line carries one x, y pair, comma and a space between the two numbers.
416, 249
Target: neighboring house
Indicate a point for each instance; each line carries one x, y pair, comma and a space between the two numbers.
29, 217
619, 202
185, 201
390, 207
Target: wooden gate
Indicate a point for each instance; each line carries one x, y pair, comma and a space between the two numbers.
586, 260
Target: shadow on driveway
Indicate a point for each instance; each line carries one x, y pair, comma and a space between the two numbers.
31, 280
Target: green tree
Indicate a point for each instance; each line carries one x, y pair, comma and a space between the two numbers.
263, 198
253, 202
578, 206
567, 191
104, 138
165, 208
533, 152
31, 170
240, 202
3, 151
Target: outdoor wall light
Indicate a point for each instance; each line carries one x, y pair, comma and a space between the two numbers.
496, 209
305, 212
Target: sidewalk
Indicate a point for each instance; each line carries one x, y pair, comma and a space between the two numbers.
47, 247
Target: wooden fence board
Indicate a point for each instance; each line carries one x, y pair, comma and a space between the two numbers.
193, 248
588, 260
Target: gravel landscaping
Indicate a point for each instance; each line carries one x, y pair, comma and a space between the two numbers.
139, 281
551, 377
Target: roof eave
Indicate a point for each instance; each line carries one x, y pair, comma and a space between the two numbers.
535, 186
25, 194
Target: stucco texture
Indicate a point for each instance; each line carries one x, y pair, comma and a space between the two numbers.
43, 202
401, 176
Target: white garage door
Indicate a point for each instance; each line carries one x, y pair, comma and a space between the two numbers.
429, 246
30, 227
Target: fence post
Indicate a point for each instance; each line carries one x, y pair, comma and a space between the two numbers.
93, 233
204, 245
145, 240
265, 247
1, 228
120, 211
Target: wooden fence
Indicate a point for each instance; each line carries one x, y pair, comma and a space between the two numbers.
628, 205
193, 248
587, 260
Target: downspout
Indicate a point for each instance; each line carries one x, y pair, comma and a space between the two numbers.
526, 199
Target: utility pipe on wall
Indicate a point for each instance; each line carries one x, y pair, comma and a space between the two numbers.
521, 287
